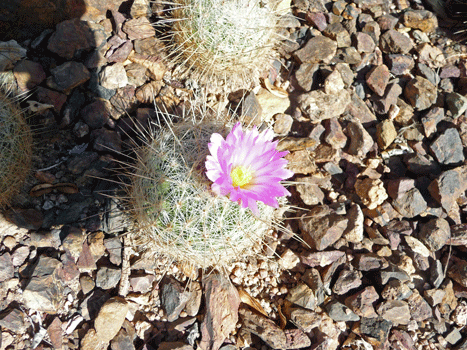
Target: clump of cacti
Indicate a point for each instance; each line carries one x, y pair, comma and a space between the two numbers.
15, 149
174, 210
224, 44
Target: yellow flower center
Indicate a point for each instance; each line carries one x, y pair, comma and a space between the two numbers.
241, 176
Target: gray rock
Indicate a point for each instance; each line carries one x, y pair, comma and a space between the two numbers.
14, 320
361, 303
456, 103
435, 233
346, 281
395, 311
317, 105
68, 76
303, 296
449, 186
7, 269
339, 312
377, 328
447, 147
108, 277
410, 203
44, 291
393, 272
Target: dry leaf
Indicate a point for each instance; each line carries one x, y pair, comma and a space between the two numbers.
276, 91
282, 319
67, 188
250, 301
41, 189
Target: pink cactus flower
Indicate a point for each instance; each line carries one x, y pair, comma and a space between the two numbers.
247, 167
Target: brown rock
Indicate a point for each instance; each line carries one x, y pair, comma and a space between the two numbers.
359, 110
321, 258
334, 134
321, 228
360, 140
371, 191
338, 33
264, 328
300, 162
424, 20
431, 120
55, 333
390, 98
92, 341
222, 302
347, 280
317, 50
28, 74
110, 318
385, 133
458, 271
365, 43
420, 93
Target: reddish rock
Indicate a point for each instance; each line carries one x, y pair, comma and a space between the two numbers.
75, 35
393, 41
362, 302
377, 79
138, 28
222, 302
54, 98
317, 19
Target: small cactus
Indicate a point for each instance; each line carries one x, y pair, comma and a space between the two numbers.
15, 149
224, 43
174, 211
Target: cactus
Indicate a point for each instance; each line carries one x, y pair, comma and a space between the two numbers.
175, 213
224, 43
15, 149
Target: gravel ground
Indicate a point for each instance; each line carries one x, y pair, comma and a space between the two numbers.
369, 97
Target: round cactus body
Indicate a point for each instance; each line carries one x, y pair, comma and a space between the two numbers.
175, 212
224, 43
15, 149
